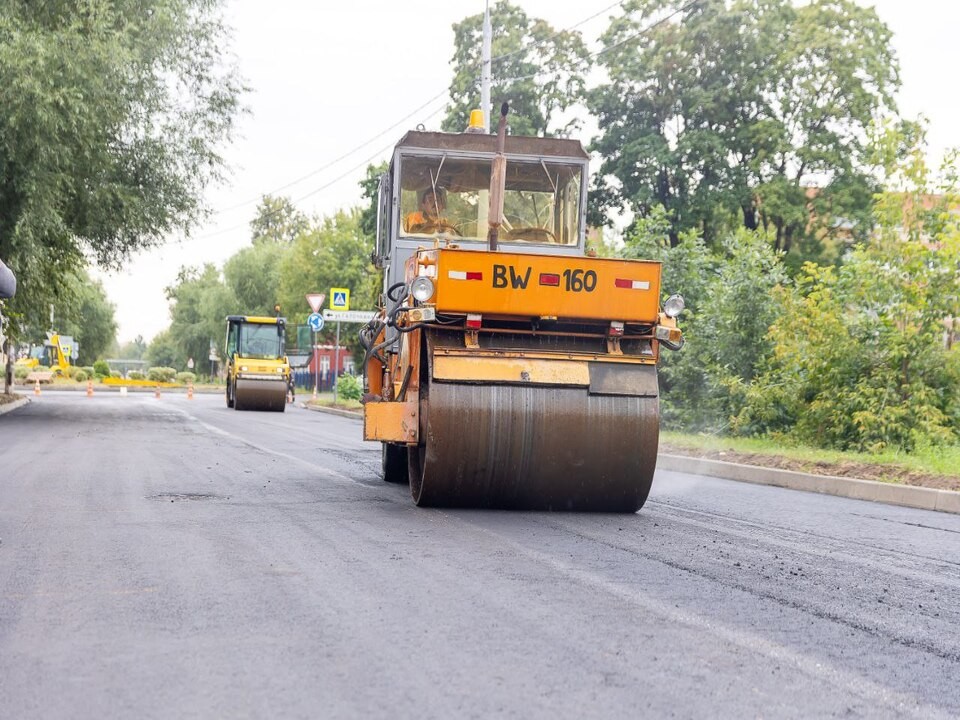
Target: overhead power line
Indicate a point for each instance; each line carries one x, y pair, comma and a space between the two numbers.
405, 118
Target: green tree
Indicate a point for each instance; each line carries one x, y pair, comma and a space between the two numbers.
729, 312
133, 350
334, 254
860, 359
253, 275
537, 69
89, 318
728, 111
112, 117
277, 221
164, 352
199, 305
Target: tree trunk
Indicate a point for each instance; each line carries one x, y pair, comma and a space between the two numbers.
749, 217
8, 370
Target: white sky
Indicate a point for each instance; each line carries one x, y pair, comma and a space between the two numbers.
326, 78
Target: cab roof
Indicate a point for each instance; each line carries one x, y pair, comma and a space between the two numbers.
483, 143
257, 320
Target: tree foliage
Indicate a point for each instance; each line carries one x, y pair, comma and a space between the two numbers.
862, 358
111, 119
727, 112
253, 277
537, 69
336, 253
89, 318
277, 221
729, 311
199, 305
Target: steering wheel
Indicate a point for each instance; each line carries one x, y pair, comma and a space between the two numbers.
435, 226
532, 234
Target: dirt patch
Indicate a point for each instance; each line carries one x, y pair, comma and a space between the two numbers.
849, 469
4, 399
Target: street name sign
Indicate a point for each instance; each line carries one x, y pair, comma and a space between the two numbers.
349, 316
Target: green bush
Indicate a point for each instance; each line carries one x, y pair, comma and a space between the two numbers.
115, 374
20, 372
349, 387
135, 375
186, 377
88, 369
161, 374
79, 375
101, 368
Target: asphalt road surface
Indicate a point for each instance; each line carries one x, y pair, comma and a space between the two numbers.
174, 559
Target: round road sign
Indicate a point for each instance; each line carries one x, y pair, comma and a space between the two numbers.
315, 321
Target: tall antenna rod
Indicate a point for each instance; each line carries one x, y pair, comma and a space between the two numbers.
498, 180
485, 72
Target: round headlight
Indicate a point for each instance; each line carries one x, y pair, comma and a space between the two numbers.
422, 289
243, 368
674, 306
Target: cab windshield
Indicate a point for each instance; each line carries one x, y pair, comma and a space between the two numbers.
260, 341
451, 196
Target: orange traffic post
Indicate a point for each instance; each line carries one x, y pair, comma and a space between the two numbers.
156, 392
189, 391
36, 387
89, 388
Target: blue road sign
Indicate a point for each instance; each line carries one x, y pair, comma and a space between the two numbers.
315, 321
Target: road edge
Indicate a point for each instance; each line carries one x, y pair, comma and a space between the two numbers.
890, 493
10, 407
910, 496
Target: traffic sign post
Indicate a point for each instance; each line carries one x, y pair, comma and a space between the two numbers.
336, 365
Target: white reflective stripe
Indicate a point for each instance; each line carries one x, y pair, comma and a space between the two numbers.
640, 285
457, 275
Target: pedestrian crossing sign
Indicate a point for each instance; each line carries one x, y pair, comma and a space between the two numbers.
339, 298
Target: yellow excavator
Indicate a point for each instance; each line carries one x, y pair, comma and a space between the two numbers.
507, 367
57, 353
258, 372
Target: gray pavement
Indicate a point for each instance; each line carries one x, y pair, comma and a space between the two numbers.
171, 558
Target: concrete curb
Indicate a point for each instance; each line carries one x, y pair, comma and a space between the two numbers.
10, 407
905, 495
356, 415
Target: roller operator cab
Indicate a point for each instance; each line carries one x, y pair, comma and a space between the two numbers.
258, 373
518, 373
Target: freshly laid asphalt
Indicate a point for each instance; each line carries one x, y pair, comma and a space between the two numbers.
172, 558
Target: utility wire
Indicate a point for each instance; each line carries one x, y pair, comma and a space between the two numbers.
373, 157
402, 120
333, 162
326, 185
608, 48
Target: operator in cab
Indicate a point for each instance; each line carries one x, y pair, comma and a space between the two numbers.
429, 217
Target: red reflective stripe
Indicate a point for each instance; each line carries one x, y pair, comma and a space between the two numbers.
550, 279
461, 275
621, 283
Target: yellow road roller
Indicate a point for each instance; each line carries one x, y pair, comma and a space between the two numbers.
258, 373
507, 368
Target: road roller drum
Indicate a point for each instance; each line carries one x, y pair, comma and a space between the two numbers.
268, 395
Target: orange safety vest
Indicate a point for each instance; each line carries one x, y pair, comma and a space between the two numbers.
413, 219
